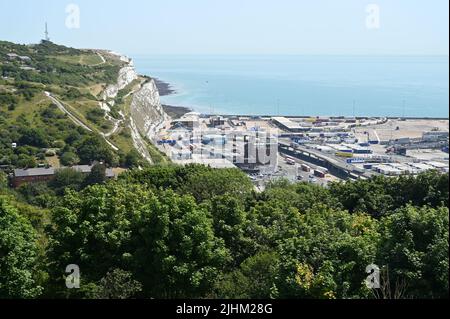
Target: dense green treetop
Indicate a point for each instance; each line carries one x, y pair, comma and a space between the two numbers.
18, 255
197, 232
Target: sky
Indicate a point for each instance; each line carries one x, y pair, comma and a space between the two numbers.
397, 27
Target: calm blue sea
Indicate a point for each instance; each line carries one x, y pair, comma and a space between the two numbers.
412, 86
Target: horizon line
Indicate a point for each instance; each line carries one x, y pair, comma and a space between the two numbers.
126, 52
293, 54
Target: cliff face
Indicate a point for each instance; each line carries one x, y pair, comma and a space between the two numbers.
126, 75
146, 115
146, 110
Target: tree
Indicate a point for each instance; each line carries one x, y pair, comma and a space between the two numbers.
18, 255
205, 183
72, 136
3, 181
328, 255
367, 196
37, 194
67, 178
96, 176
231, 223
26, 161
166, 241
117, 284
157, 176
132, 159
381, 195
34, 137
302, 196
69, 159
254, 279
182, 247
94, 148
415, 249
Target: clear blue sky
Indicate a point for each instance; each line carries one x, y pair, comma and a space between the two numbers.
234, 26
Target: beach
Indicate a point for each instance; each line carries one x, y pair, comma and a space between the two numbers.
166, 89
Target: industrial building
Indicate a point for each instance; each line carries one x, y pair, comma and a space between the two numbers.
433, 136
32, 175
194, 138
44, 174
211, 162
216, 121
189, 121
291, 126
396, 169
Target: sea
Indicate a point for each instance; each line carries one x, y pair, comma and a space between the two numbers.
304, 85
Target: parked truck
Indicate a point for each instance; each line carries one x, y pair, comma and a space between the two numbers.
344, 154
290, 161
305, 168
320, 173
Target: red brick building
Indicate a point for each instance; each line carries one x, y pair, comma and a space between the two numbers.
36, 175
32, 175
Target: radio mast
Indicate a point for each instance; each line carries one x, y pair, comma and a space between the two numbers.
47, 38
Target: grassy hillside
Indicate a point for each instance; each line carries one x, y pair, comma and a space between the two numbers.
40, 130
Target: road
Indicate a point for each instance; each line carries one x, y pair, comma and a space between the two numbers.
115, 128
338, 163
116, 123
75, 120
101, 57
62, 108
292, 173
295, 174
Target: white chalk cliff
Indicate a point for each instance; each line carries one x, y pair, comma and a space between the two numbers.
147, 111
147, 115
126, 75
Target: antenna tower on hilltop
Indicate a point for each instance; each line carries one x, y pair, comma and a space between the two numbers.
46, 38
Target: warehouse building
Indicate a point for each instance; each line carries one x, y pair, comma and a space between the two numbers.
32, 175
291, 126
45, 174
